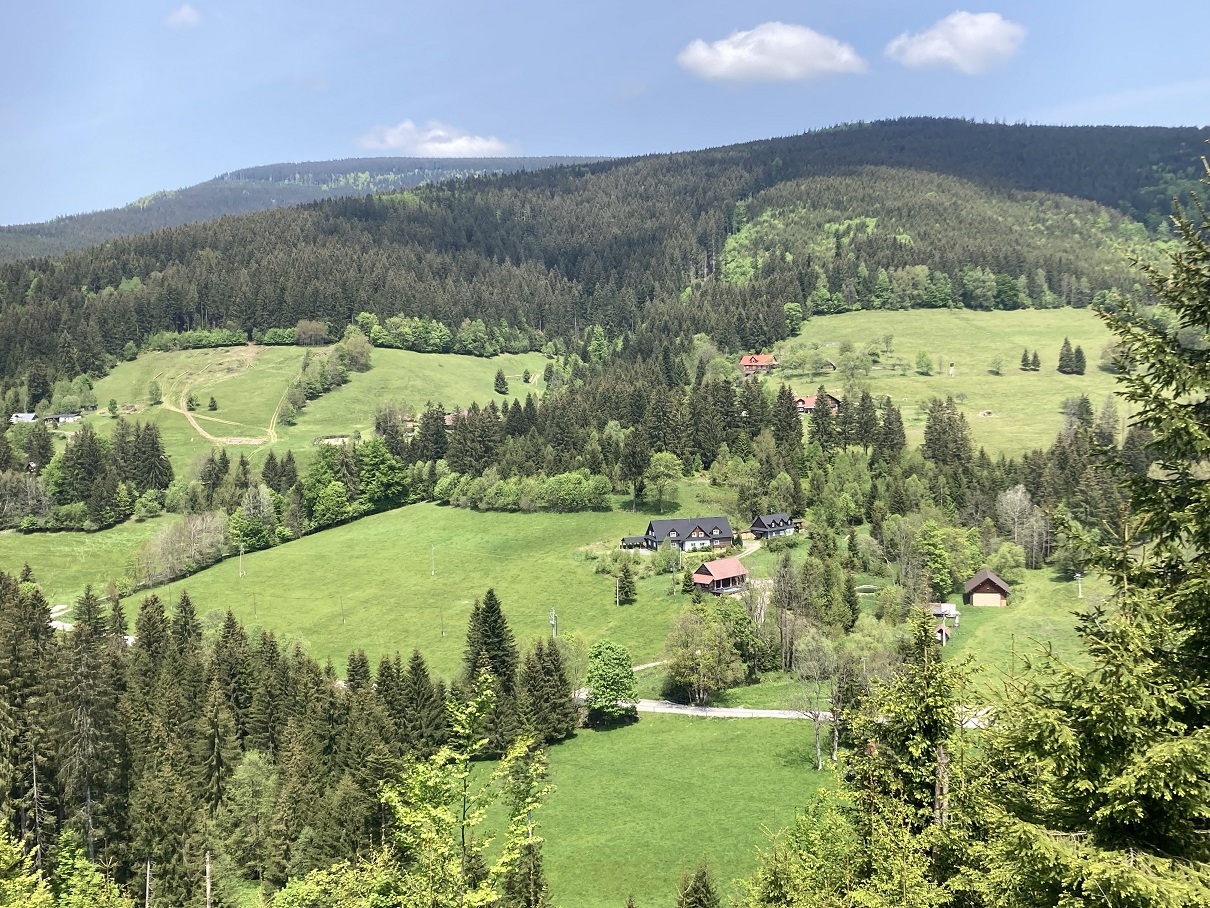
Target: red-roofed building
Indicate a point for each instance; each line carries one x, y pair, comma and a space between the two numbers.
807, 404
723, 575
756, 363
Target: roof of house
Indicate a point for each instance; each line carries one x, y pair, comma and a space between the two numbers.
686, 525
984, 575
633, 540
772, 521
722, 569
943, 630
809, 402
759, 359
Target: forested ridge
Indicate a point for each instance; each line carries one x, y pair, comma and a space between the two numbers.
634, 246
251, 189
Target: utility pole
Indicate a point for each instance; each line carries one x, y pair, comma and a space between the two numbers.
1079, 585
241, 559
147, 887
554, 622
208, 903
433, 562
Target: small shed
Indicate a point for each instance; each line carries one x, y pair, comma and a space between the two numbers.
723, 575
942, 634
985, 588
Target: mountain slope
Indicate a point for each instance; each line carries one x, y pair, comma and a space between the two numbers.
248, 190
635, 245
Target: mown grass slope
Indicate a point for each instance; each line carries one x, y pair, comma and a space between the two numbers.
406, 579
1026, 407
248, 384
634, 807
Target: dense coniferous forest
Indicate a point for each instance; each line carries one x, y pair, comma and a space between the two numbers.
251, 189
619, 244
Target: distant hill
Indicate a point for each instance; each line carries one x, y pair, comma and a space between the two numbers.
252, 189
654, 249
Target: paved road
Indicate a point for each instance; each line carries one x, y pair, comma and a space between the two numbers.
724, 712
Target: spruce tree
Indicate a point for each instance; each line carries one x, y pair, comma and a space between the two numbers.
1078, 362
288, 476
217, 750
490, 636
823, 422
501, 383
627, 587
698, 890
424, 725
270, 472
357, 671
1066, 358
1035, 362
786, 423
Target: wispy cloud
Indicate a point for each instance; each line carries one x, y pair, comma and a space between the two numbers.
184, 16
971, 43
434, 139
771, 52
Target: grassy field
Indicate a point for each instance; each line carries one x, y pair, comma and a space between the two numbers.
370, 584
629, 813
64, 563
1025, 406
1041, 611
248, 384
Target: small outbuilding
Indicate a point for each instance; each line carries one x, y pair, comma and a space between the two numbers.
942, 634
986, 588
17, 418
723, 575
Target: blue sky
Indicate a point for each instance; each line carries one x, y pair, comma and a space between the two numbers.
104, 103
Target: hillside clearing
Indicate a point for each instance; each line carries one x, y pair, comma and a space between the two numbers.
1025, 407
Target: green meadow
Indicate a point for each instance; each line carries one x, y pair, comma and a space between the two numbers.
635, 807
249, 384
406, 579
63, 563
1025, 407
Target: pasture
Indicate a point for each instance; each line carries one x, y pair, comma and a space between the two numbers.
1025, 407
406, 579
629, 813
249, 384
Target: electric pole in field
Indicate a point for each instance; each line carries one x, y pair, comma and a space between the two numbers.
433, 561
554, 622
241, 559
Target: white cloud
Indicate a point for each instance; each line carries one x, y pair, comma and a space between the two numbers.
771, 52
183, 17
969, 42
433, 139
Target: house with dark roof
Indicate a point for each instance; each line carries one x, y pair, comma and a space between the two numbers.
723, 575
757, 363
985, 588
767, 526
688, 534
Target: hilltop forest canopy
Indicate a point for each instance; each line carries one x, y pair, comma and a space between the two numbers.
252, 189
952, 213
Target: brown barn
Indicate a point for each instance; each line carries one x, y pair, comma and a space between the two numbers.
723, 575
985, 588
